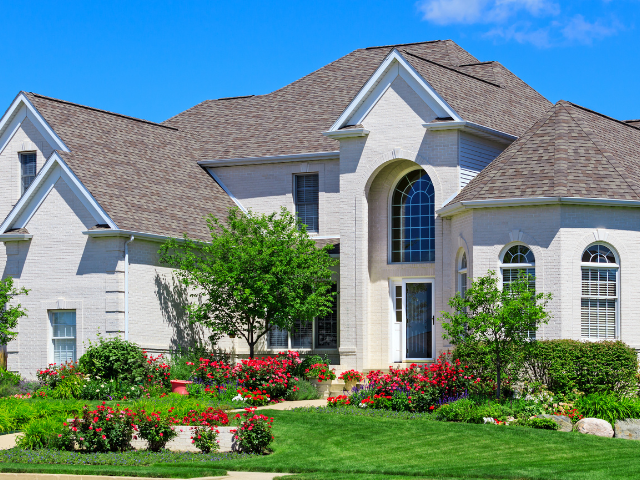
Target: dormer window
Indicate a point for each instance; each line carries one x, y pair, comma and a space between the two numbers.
27, 169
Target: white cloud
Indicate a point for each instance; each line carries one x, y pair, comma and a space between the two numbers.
445, 12
522, 33
581, 31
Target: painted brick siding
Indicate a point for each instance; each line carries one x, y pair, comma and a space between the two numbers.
268, 187
557, 236
26, 138
64, 269
369, 168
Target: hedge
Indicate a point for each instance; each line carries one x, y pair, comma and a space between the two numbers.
564, 365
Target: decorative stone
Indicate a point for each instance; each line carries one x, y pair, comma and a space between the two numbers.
595, 426
628, 428
182, 442
564, 422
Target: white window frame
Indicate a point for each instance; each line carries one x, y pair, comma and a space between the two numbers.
616, 298
295, 197
51, 338
463, 270
20, 155
518, 266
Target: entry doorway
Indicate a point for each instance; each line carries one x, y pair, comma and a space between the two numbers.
412, 320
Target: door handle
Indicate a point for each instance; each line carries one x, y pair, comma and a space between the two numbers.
433, 320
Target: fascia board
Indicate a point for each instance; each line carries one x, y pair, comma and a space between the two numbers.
523, 202
41, 124
11, 126
154, 237
224, 187
15, 237
474, 129
415, 80
53, 169
349, 133
296, 157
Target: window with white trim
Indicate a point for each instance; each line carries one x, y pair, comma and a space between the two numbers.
63, 336
519, 260
600, 293
306, 198
27, 170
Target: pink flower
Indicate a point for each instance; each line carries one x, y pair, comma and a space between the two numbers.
104, 436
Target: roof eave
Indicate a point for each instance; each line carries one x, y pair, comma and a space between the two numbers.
15, 237
349, 133
473, 128
453, 209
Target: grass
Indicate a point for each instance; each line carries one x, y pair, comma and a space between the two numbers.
320, 445
323, 445
158, 471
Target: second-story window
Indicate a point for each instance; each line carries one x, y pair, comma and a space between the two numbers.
27, 170
306, 200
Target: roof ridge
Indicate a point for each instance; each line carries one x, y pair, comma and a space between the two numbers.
452, 69
403, 44
604, 151
560, 154
101, 111
233, 98
622, 122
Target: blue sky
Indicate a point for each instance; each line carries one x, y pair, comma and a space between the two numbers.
155, 59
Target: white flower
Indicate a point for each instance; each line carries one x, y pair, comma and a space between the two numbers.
237, 398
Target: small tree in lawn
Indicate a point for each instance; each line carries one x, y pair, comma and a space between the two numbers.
259, 272
501, 318
9, 314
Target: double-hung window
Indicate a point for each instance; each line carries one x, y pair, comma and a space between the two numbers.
306, 198
63, 336
519, 260
600, 293
27, 170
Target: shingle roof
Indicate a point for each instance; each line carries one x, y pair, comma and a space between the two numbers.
570, 151
143, 174
291, 120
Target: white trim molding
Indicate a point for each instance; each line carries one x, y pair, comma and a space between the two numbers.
20, 109
393, 66
473, 128
226, 189
15, 237
54, 169
296, 157
346, 133
458, 207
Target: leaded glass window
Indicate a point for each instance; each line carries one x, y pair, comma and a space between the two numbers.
413, 219
519, 254
599, 302
462, 275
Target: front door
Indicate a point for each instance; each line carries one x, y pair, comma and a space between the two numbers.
412, 320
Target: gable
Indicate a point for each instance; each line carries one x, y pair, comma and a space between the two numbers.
53, 171
392, 68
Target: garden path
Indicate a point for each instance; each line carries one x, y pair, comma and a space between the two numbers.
290, 405
8, 441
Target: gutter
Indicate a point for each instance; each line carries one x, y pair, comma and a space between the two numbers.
108, 232
126, 287
457, 207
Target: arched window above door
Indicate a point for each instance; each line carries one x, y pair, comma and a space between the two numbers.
413, 219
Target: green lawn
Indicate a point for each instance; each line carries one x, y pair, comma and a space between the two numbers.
322, 446
157, 470
346, 447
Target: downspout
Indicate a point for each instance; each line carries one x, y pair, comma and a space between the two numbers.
126, 287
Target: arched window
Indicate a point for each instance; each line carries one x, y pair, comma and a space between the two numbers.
462, 275
600, 293
413, 219
519, 259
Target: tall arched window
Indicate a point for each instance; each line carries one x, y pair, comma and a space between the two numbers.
462, 275
519, 259
600, 293
413, 219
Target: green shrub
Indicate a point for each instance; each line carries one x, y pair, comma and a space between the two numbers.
564, 365
303, 391
180, 370
462, 410
115, 359
608, 406
70, 386
40, 433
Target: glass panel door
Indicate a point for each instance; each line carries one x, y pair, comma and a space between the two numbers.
419, 311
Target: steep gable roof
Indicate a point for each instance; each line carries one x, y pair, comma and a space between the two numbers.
291, 119
570, 151
143, 174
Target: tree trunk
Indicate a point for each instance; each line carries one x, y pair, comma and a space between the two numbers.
498, 369
252, 343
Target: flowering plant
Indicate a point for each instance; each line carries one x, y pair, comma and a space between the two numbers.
156, 429
256, 397
102, 429
211, 416
254, 433
205, 438
54, 373
157, 372
320, 371
351, 376
339, 401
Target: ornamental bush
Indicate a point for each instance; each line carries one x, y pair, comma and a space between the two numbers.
114, 358
156, 429
254, 433
351, 376
205, 438
320, 371
99, 429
